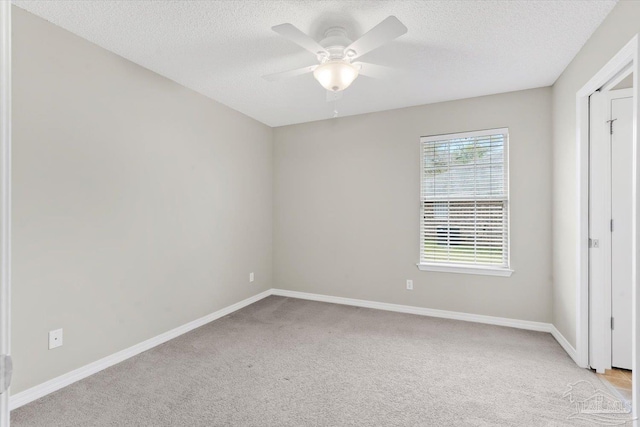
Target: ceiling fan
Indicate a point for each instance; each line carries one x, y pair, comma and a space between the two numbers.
336, 53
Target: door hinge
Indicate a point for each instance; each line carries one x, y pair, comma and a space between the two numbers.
612, 324
6, 372
611, 125
611, 226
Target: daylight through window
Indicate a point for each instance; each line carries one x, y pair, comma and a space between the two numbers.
465, 199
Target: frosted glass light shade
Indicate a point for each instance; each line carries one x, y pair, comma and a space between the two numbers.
335, 75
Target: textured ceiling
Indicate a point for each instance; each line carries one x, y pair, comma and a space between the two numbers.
453, 50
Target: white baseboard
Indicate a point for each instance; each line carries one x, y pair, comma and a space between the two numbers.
57, 383
564, 344
477, 318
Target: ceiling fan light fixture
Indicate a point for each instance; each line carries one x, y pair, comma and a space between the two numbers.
336, 75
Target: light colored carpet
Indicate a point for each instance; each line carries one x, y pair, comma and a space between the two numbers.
290, 362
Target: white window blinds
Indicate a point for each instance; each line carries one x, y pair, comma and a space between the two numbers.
465, 199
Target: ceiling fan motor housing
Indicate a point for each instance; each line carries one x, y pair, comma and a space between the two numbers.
335, 41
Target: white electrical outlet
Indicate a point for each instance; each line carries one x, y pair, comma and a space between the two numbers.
55, 339
251, 277
409, 285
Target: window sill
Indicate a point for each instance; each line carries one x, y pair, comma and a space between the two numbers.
485, 271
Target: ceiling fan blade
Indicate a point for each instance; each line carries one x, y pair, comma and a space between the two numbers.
291, 73
374, 70
333, 96
382, 33
298, 37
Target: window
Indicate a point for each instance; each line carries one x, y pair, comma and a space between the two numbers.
465, 203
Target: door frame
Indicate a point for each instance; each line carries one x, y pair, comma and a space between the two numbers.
5, 194
626, 59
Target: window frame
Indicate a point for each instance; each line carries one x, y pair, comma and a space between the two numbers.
477, 269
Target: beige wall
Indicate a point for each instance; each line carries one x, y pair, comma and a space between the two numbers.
618, 28
139, 205
346, 207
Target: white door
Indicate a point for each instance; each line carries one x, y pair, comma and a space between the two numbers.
621, 114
